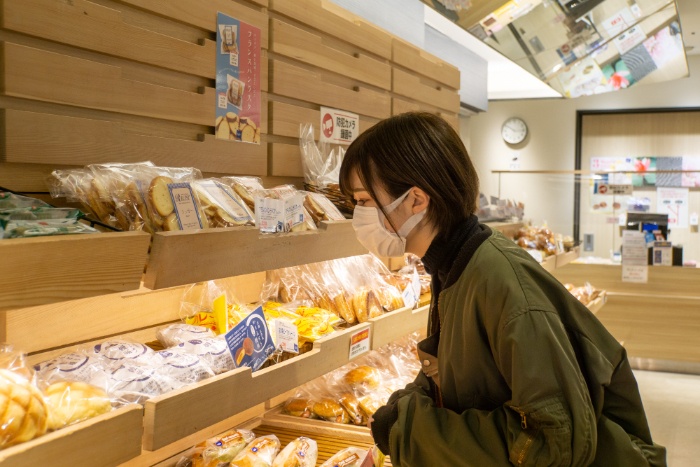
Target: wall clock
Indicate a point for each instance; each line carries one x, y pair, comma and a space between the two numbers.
514, 130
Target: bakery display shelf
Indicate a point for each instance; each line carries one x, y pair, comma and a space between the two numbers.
179, 258
106, 440
597, 304
70, 267
180, 413
565, 258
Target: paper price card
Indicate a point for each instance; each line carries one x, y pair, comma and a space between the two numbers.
359, 343
250, 342
185, 207
286, 335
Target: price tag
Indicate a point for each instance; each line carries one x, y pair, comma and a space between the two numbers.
409, 297
359, 343
286, 335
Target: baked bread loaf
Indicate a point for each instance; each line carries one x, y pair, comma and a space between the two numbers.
23, 412
73, 401
366, 305
330, 410
369, 405
261, 452
302, 452
348, 457
352, 406
344, 309
365, 376
298, 407
221, 449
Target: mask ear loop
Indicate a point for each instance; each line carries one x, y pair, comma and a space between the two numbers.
384, 211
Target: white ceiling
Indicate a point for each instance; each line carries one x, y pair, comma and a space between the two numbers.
506, 80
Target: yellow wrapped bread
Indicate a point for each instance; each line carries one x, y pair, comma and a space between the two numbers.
23, 413
74, 401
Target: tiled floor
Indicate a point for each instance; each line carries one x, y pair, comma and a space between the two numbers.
672, 405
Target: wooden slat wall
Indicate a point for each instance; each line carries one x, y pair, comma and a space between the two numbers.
92, 81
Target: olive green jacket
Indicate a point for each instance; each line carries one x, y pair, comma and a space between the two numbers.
528, 376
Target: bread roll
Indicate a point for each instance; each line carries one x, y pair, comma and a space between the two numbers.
259, 453
116, 351
330, 410
363, 375
72, 401
175, 334
135, 382
302, 452
352, 407
23, 412
74, 366
223, 448
369, 405
181, 368
298, 407
213, 350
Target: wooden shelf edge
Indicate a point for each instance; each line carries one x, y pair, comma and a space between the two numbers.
179, 258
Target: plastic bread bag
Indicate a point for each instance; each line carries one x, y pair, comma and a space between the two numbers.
43, 228
348, 457
210, 304
259, 453
290, 287
174, 334
301, 452
172, 202
281, 209
221, 205
72, 402
334, 290
314, 323
221, 449
134, 382
115, 352
321, 208
11, 201
344, 286
212, 350
246, 188
15, 361
24, 415
321, 164
181, 368
71, 184
78, 366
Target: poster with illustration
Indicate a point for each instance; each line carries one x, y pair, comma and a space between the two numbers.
238, 96
644, 171
665, 45
691, 179
674, 202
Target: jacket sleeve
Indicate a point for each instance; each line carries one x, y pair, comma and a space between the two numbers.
549, 420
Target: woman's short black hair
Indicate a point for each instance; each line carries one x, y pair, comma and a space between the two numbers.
416, 149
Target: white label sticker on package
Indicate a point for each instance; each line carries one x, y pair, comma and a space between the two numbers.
293, 211
226, 201
409, 297
185, 207
359, 343
286, 336
269, 214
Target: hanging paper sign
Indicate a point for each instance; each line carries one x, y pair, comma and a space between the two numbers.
238, 98
339, 126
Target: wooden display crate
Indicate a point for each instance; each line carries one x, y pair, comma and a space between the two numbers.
52, 269
186, 257
391, 326
103, 441
598, 303
565, 258
180, 413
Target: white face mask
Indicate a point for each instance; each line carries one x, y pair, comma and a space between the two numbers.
372, 234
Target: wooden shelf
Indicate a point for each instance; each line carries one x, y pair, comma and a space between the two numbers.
565, 258
598, 303
179, 258
509, 229
70, 267
103, 441
181, 413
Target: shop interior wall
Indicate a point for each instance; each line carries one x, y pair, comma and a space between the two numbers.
551, 143
658, 134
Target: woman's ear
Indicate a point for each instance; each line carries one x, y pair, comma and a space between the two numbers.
421, 199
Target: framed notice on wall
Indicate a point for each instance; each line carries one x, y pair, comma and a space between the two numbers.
238, 98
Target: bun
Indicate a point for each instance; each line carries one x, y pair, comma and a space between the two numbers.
348, 457
23, 412
298, 407
259, 453
363, 375
160, 196
369, 405
72, 401
344, 309
330, 410
352, 406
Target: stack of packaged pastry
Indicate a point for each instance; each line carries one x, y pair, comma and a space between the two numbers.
355, 289
537, 238
585, 294
351, 394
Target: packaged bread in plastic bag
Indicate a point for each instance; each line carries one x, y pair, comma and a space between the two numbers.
174, 334
348, 457
24, 414
211, 304
321, 208
74, 401
181, 368
172, 203
221, 205
261, 452
301, 452
222, 448
245, 187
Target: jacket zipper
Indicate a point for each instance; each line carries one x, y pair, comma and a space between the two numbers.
437, 387
530, 438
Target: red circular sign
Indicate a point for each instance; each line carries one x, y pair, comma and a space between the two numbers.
602, 189
327, 125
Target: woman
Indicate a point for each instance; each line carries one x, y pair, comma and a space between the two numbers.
515, 369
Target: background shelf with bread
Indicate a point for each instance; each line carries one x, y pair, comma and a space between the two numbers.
151, 98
